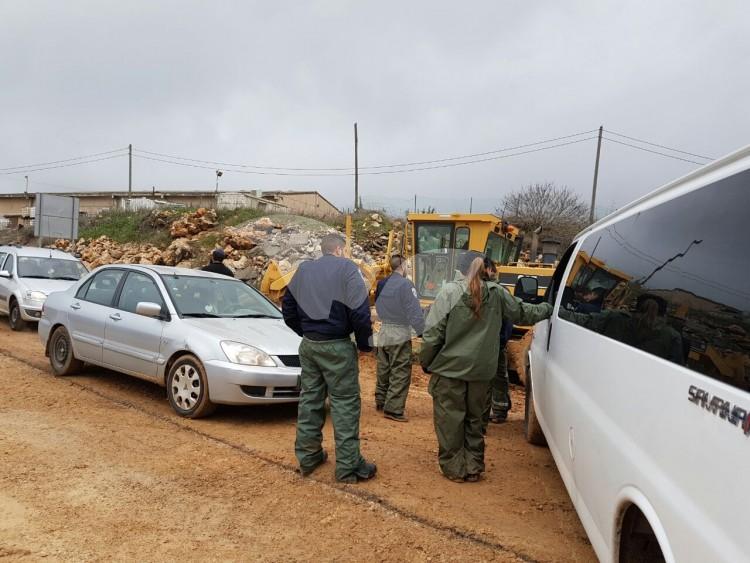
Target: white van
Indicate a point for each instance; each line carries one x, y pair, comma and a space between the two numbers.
640, 380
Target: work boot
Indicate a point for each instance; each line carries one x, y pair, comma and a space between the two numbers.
379, 406
363, 473
473, 477
499, 417
398, 417
306, 471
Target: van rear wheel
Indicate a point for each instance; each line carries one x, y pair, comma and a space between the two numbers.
532, 428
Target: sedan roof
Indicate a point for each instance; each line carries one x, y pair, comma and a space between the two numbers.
35, 252
168, 270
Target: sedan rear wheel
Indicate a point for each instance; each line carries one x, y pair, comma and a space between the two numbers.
14, 317
187, 388
61, 356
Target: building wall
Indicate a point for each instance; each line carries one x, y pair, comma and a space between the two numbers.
307, 203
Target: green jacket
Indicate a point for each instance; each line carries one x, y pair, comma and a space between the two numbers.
456, 344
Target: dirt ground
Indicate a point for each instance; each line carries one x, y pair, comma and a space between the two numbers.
97, 466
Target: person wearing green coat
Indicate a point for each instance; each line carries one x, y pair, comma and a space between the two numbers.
460, 350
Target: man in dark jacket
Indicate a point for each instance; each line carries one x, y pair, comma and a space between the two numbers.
325, 303
217, 264
398, 308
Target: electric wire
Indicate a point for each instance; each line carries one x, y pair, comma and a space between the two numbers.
450, 165
653, 151
658, 145
380, 166
63, 165
64, 160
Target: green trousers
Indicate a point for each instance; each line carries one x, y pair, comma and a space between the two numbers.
458, 407
329, 369
394, 376
498, 395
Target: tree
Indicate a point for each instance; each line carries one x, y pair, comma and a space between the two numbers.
560, 212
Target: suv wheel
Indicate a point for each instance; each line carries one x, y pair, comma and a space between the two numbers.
187, 388
14, 316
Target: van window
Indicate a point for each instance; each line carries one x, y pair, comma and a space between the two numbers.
673, 281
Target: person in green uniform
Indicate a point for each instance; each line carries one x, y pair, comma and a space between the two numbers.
397, 305
498, 396
325, 303
460, 350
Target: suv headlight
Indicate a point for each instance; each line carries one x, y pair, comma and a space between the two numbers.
36, 296
247, 355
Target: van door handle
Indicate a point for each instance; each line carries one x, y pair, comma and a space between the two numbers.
75, 306
115, 317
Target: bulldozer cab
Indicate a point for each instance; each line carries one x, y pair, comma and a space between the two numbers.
435, 241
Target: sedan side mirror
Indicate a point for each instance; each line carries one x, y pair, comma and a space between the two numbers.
148, 309
527, 289
5, 274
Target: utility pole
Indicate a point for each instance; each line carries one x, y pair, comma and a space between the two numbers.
596, 174
130, 171
415, 203
471, 204
356, 170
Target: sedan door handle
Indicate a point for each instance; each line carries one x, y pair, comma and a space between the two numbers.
115, 317
75, 306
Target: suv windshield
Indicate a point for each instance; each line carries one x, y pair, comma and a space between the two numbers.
50, 268
222, 298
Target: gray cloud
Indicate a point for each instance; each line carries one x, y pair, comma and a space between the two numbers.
281, 83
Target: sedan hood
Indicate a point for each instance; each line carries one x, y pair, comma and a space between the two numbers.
270, 335
47, 286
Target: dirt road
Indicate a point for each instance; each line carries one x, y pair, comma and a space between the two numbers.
97, 466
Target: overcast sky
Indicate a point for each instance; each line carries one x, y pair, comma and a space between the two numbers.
281, 83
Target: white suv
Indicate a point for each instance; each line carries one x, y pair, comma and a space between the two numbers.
28, 275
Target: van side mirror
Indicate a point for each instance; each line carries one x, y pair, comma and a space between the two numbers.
527, 289
5, 274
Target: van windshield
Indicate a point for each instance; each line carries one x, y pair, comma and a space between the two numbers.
50, 268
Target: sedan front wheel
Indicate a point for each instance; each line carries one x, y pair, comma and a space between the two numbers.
187, 388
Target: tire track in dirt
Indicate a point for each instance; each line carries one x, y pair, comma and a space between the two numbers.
347, 490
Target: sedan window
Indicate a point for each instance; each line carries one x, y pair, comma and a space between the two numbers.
205, 297
138, 288
103, 286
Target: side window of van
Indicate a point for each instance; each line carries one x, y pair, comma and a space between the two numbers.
673, 281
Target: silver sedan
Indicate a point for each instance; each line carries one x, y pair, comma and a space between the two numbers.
208, 338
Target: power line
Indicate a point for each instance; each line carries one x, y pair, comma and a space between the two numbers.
400, 165
60, 161
653, 151
62, 165
450, 165
658, 145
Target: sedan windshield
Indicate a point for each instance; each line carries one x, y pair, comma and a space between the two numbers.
43, 268
201, 297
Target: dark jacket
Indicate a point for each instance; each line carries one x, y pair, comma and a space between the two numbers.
396, 302
218, 268
327, 300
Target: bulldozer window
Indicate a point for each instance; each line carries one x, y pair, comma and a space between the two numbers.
434, 259
462, 239
498, 248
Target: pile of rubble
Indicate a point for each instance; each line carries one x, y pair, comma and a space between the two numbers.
248, 248
193, 223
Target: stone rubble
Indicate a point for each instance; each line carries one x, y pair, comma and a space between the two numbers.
249, 247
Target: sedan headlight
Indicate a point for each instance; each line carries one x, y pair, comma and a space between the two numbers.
247, 355
36, 296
